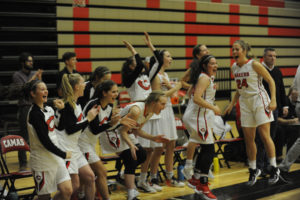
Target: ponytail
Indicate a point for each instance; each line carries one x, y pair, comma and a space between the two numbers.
67, 85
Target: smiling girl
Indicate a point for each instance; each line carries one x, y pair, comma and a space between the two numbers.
166, 124
70, 126
198, 118
106, 94
256, 107
123, 139
46, 159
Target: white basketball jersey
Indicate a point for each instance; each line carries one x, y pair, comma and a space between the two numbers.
70, 142
111, 141
40, 157
87, 136
197, 118
248, 82
164, 88
140, 89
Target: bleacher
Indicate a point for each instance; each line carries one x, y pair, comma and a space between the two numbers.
28, 26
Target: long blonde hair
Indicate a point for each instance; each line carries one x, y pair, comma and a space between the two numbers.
67, 86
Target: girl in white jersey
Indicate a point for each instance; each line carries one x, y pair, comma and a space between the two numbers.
70, 126
137, 79
46, 159
167, 124
198, 118
105, 94
123, 140
256, 107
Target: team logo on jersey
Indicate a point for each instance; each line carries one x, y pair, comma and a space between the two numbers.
68, 164
87, 155
113, 139
79, 118
103, 120
39, 180
144, 84
50, 123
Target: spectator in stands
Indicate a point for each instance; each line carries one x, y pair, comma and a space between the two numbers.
99, 75
287, 133
70, 61
21, 77
269, 60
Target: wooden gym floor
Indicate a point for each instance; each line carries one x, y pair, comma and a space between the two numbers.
228, 184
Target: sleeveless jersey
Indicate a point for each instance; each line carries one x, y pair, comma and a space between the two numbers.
196, 117
111, 141
248, 82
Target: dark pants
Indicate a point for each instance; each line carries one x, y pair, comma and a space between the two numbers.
285, 135
22, 116
129, 162
262, 159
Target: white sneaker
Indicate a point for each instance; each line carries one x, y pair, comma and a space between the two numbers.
145, 186
136, 193
187, 173
174, 182
154, 183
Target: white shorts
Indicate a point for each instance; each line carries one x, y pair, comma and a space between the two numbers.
203, 134
254, 110
46, 181
167, 124
89, 153
151, 127
76, 162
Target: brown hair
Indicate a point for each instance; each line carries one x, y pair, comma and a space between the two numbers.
245, 46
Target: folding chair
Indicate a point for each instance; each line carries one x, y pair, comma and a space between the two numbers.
220, 143
13, 143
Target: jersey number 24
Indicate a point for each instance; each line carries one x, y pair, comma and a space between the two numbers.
241, 83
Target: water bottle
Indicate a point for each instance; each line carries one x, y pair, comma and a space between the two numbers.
216, 164
179, 172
